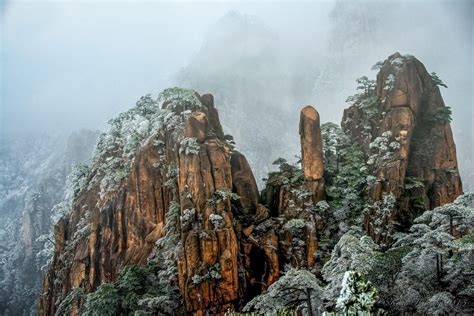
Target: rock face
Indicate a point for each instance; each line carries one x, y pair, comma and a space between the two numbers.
407, 136
95, 241
188, 163
244, 183
223, 230
203, 181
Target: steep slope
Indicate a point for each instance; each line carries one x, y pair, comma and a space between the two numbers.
390, 173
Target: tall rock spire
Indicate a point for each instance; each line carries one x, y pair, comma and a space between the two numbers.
312, 159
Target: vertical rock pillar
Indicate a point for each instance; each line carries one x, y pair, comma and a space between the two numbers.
312, 159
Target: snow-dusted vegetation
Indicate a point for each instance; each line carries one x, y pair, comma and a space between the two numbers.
162, 213
35, 191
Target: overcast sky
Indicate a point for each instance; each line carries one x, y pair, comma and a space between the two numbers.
67, 65
76, 64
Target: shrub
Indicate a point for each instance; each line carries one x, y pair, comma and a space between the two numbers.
104, 301
357, 294
440, 115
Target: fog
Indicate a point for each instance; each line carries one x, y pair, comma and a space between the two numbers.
70, 65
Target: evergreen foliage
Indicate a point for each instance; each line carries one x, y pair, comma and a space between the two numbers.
366, 97
345, 174
422, 272
440, 115
189, 146
116, 147
145, 290
104, 301
437, 81
357, 294
286, 174
65, 306
294, 290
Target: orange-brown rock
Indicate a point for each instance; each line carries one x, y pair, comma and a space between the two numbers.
197, 126
289, 224
232, 244
120, 233
213, 243
421, 145
103, 234
244, 182
207, 101
261, 258
312, 159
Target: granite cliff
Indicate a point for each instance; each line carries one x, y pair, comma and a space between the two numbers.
403, 126
168, 192
186, 166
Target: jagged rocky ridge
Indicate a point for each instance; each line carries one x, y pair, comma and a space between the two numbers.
168, 191
182, 164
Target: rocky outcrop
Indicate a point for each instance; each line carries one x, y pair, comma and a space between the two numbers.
207, 234
291, 195
312, 159
244, 183
185, 161
403, 126
231, 248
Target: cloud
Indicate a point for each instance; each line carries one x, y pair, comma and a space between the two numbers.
74, 64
